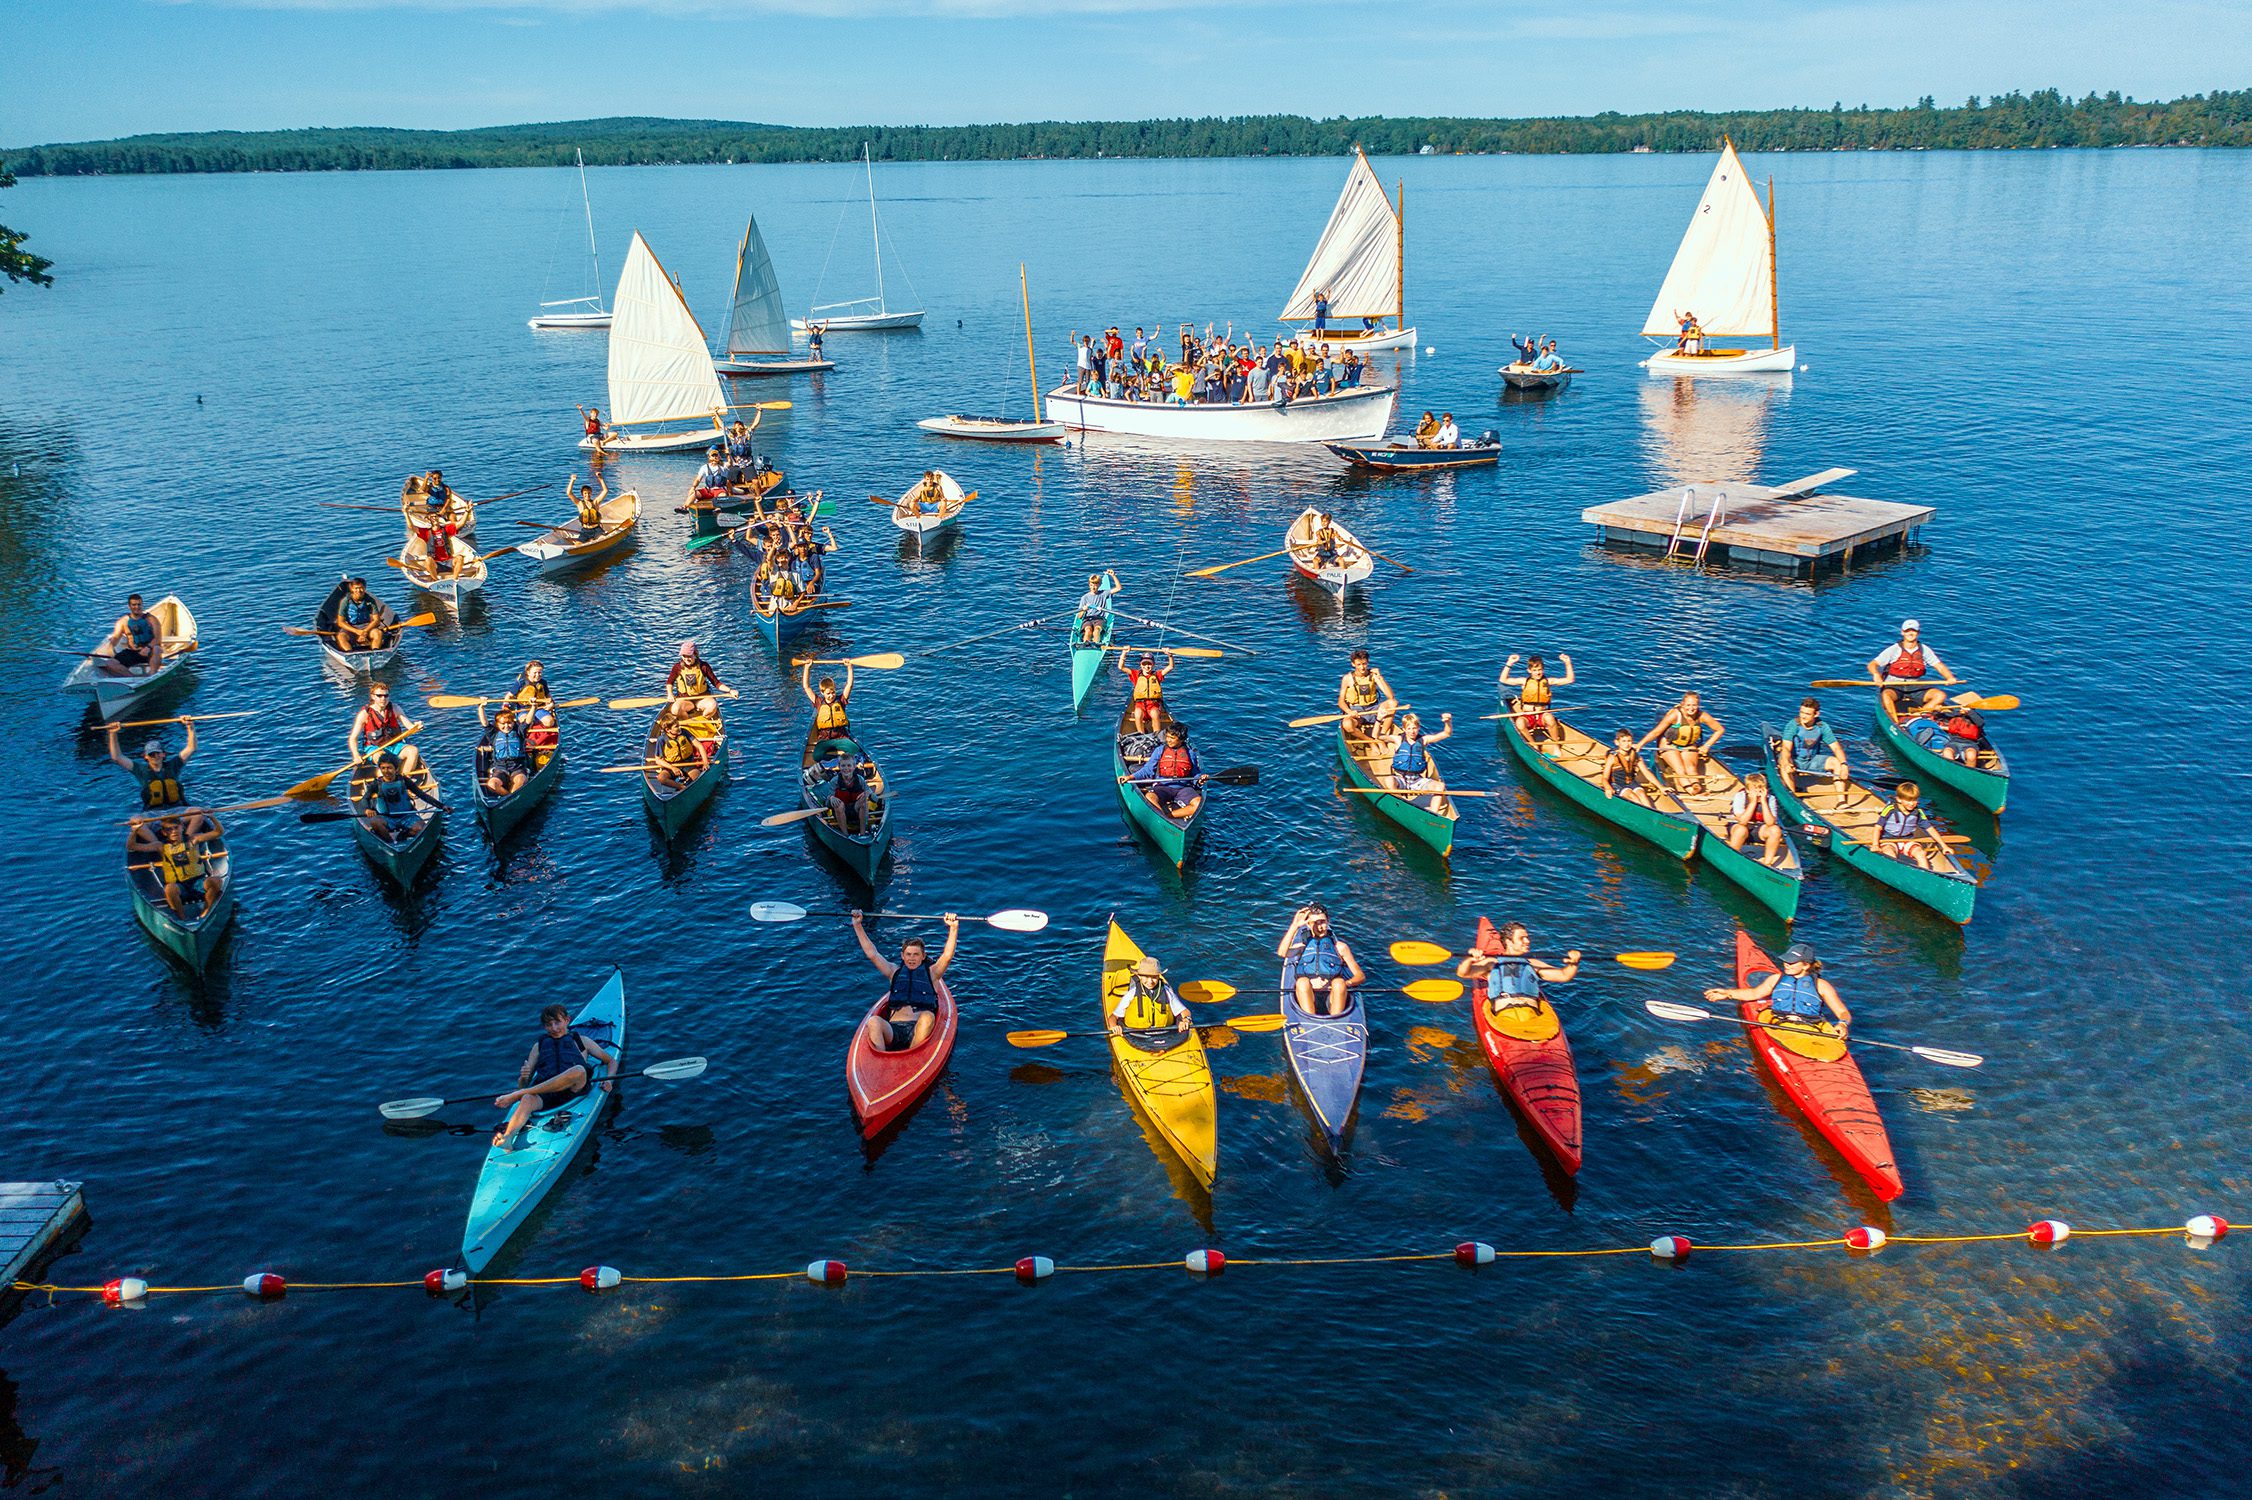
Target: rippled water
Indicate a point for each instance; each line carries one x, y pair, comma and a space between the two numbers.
2047, 347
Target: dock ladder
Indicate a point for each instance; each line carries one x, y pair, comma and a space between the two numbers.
1713, 514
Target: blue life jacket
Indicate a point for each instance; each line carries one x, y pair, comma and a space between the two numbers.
1512, 978
558, 1055
142, 629
1318, 958
356, 613
394, 797
1796, 998
914, 987
508, 744
1900, 824
1411, 758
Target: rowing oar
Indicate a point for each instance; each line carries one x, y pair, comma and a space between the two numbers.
1232, 776
158, 814
1223, 567
659, 702
1192, 635
1415, 953
1395, 562
1263, 1021
317, 787
990, 634
1203, 651
1334, 718
241, 713
1429, 791
412, 622
341, 815
1669, 1010
460, 700
1015, 919
647, 765
1534, 713
758, 406
1999, 703
670, 1071
882, 661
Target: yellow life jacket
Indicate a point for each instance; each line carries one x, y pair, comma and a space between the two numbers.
1146, 1012
679, 748
178, 863
691, 681
829, 716
1365, 693
1536, 693
1684, 733
1149, 687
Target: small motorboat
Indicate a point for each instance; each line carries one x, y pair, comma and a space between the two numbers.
1409, 457
1523, 377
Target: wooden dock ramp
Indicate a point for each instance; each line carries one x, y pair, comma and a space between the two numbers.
36, 1218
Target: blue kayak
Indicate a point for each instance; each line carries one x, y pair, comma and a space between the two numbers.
1327, 1053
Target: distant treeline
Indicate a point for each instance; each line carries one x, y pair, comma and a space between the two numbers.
2011, 121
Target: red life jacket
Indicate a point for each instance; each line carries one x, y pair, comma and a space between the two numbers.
1907, 664
1174, 761
1960, 727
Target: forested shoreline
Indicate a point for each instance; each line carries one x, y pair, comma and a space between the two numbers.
2045, 118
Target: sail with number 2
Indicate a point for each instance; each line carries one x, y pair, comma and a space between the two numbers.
660, 367
1723, 276
1358, 267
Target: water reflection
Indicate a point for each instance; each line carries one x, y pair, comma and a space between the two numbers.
1698, 432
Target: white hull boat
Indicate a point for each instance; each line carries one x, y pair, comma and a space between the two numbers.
591, 313
1352, 563
115, 693
1723, 279
660, 366
875, 322
874, 314
1358, 271
565, 547
1724, 362
1342, 416
994, 429
1342, 339
569, 321
922, 524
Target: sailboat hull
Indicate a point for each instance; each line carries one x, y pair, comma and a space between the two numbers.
1347, 416
571, 320
657, 442
1725, 362
994, 429
1341, 339
749, 367
875, 322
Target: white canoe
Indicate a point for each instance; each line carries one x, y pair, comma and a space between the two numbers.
567, 547
1353, 562
460, 514
993, 429
356, 662
928, 524
1342, 416
114, 693
414, 559
1724, 362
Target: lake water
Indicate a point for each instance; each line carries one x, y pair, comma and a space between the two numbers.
2048, 347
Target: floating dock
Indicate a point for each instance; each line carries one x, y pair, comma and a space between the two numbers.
1798, 527
35, 1218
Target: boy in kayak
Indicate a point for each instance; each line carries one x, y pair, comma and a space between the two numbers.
1807, 744
1501, 965
1796, 997
1147, 1005
1536, 690
1905, 662
910, 1011
1322, 959
554, 1073
1094, 606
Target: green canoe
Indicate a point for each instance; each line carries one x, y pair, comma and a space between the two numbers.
1176, 838
1987, 785
862, 852
403, 854
1573, 764
1087, 660
1776, 885
1849, 811
671, 807
500, 815
190, 938
1430, 819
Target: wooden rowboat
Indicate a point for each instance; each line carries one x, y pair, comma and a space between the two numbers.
1351, 563
500, 815
672, 806
1175, 837
863, 851
115, 694
459, 513
1986, 783
567, 547
359, 663
1430, 817
406, 850
885, 1085
922, 524
1848, 812
1573, 764
414, 561
189, 939
1776, 885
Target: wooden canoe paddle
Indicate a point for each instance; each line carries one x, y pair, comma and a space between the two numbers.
316, 787
882, 661
1397, 708
462, 700
1223, 567
1419, 953
1197, 651
242, 713
662, 700
670, 1071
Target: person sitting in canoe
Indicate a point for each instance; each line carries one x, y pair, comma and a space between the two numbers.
531, 685
591, 416
710, 482
1411, 770
1536, 693
1148, 689
852, 790
1324, 962
588, 504
681, 754
1809, 743
1172, 780
1952, 732
1549, 360
1904, 832
1094, 606
1364, 698
696, 680
1426, 429
806, 569
508, 763
1624, 774
1908, 660
135, 645
832, 705
1797, 996
1147, 1005
175, 851
359, 619
911, 1010
1684, 741
158, 774
555, 1073
541, 736
1752, 812
1501, 965
392, 800
377, 724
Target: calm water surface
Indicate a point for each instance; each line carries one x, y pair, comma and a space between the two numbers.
2047, 347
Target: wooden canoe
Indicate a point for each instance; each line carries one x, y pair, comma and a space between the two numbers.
863, 852
500, 815
1352, 563
113, 693
415, 563
565, 547
189, 939
1430, 817
672, 806
1176, 838
1986, 783
359, 663
403, 854
1776, 885
778, 623
1572, 763
1848, 812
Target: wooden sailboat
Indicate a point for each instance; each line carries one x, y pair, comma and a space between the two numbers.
587, 311
758, 333
876, 315
1360, 263
1005, 429
661, 371
1723, 276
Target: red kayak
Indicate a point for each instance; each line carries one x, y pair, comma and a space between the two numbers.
1533, 1062
1820, 1075
885, 1085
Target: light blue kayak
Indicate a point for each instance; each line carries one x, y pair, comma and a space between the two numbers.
514, 1181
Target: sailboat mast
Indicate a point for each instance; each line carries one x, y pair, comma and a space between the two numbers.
1399, 304
875, 235
1031, 360
587, 203
1774, 272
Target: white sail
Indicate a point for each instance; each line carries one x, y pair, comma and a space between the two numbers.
1724, 271
1357, 260
660, 368
758, 323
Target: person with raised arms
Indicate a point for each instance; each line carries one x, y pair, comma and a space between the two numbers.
910, 1011
1322, 962
1536, 693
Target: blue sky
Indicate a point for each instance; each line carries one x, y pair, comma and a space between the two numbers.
86, 69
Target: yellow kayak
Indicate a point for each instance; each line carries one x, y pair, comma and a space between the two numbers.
1171, 1087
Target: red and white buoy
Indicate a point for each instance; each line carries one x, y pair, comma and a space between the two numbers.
1865, 1237
1035, 1268
600, 1278
123, 1290
1205, 1262
264, 1284
2206, 1227
439, 1283
1473, 1253
1671, 1247
2049, 1232
827, 1272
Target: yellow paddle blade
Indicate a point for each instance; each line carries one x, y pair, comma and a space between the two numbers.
1436, 991
881, 661
416, 622
772, 405
1647, 960
1036, 1038
575, 702
1264, 1021
1412, 952
315, 788
1205, 991
1204, 651
1998, 703
457, 700
1843, 682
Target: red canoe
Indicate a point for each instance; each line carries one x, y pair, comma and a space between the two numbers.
1533, 1062
1822, 1079
885, 1085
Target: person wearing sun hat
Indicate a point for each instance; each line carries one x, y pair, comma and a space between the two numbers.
1147, 1003
1795, 997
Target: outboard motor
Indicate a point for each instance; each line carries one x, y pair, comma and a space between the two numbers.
1489, 438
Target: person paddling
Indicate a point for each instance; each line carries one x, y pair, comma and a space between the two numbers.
555, 1073
376, 725
1094, 606
1148, 1006
359, 619
1906, 662
910, 1012
1321, 961
1500, 962
391, 800
1797, 996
